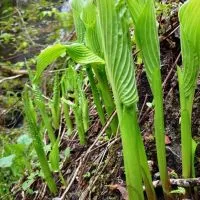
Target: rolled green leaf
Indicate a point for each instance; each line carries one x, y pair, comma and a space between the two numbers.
77, 6
189, 16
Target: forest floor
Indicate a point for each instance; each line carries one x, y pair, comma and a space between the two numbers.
95, 171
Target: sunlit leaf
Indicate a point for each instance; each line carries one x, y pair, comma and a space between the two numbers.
81, 54
47, 56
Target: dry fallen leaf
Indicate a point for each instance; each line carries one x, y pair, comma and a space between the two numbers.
121, 189
167, 140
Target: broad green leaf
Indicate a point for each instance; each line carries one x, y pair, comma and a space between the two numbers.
92, 35
146, 34
47, 56
88, 14
117, 51
82, 55
189, 16
77, 51
7, 161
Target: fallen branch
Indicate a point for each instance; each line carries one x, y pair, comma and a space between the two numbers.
190, 182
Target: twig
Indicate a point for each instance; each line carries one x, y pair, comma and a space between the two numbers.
162, 38
171, 70
190, 182
143, 105
10, 78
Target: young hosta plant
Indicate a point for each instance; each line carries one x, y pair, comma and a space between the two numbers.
189, 16
56, 101
120, 71
146, 33
40, 102
80, 54
67, 85
80, 103
74, 97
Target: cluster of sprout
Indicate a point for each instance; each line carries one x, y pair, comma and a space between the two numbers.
103, 50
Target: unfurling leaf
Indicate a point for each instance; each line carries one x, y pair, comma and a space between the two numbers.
47, 56
82, 55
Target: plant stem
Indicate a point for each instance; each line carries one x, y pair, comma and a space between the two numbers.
67, 117
40, 102
146, 175
79, 123
96, 96
129, 135
160, 130
62, 179
37, 142
186, 135
107, 95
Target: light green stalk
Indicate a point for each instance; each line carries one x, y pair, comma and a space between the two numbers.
186, 132
146, 33
37, 141
96, 95
79, 124
82, 101
68, 121
67, 85
55, 104
189, 16
40, 102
